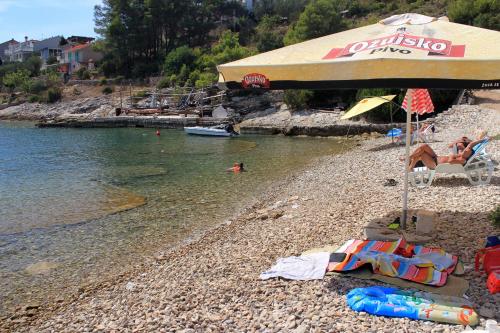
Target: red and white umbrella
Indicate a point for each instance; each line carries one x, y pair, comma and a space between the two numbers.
421, 102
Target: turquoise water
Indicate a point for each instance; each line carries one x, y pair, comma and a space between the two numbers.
76, 205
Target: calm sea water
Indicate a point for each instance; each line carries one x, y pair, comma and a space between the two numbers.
76, 204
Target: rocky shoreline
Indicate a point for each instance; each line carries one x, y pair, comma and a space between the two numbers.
273, 118
212, 284
80, 108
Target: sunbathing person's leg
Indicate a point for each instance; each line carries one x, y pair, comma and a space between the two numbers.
428, 160
427, 149
423, 149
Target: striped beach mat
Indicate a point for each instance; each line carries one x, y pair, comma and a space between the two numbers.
400, 259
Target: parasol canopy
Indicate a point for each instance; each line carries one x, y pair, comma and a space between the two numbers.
366, 104
403, 51
421, 101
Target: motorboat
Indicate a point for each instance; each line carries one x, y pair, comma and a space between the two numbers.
209, 131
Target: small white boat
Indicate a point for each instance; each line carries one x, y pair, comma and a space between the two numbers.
208, 131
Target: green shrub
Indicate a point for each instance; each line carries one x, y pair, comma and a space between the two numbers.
17, 79
103, 82
297, 99
51, 60
495, 217
107, 90
53, 95
36, 87
34, 99
141, 94
206, 80
119, 79
163, 83
83, 74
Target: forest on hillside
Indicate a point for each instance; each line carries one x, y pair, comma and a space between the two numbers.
184, 40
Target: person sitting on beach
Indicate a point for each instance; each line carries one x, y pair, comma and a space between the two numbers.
237, 167
425, 156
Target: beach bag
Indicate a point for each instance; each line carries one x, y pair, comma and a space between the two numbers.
490, 258
493, 282
492, 241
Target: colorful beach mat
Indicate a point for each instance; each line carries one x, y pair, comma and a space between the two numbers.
415, 263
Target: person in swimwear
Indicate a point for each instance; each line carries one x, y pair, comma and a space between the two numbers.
460, 144
425, 156
237, 167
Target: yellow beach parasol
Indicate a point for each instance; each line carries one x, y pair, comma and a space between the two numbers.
366, 104
402, 51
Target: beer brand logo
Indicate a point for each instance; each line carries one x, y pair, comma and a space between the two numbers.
255, 80
433, 46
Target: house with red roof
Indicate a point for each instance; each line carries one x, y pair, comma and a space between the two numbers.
77, 56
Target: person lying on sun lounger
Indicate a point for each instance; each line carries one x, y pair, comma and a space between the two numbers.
425, 156
460, 144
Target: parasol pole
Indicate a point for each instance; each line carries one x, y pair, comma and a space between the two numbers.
407, 161
418, 130
392, 126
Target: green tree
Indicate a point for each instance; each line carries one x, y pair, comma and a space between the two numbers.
319, 18
289, 9
137, 34
228, 48
181, 56
481, 13
33, 65
269, 33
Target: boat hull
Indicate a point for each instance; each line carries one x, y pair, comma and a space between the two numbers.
207, 131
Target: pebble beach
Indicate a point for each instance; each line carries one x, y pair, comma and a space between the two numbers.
211, 284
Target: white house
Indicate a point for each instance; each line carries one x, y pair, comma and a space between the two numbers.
20, 51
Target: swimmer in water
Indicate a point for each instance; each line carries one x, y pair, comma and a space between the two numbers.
237, 167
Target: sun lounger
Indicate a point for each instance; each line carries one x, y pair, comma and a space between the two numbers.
399, 136
478, 169
427, 135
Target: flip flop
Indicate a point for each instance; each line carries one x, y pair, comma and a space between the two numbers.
390, 182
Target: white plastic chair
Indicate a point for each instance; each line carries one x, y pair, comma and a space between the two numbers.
478, 169
427, 135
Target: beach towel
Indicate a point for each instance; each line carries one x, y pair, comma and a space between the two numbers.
393, 302
397, 259
306, 267
455, 286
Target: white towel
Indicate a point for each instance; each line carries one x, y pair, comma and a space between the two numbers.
306, 267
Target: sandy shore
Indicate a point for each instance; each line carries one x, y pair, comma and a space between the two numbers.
212, 284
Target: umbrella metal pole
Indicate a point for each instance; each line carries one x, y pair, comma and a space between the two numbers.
392, 126
416, 133
407, 162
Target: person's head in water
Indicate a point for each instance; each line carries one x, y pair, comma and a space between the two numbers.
241, 166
